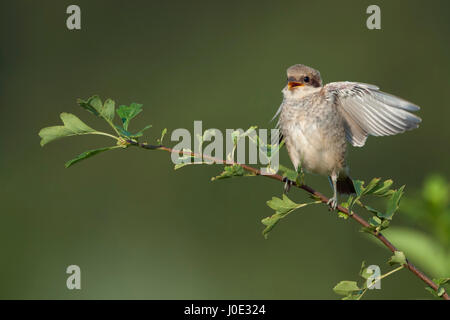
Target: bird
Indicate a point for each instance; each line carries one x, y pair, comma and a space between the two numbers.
317, 121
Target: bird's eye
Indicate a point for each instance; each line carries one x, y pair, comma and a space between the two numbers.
306, 79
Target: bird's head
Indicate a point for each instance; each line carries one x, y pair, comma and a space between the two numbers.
302, 77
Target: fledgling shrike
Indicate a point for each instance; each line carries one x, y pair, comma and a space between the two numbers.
316, 121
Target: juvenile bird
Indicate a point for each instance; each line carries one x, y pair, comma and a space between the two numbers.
316, 121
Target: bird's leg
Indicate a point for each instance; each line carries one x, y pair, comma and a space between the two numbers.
333, 201
287, 184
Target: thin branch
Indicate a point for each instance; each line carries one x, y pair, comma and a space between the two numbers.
310, 190
390, 272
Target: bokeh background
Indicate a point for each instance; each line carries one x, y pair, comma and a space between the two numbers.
140, 230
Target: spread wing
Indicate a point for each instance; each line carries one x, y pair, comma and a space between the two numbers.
368, 111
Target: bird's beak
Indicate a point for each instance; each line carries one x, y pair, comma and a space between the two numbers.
293, 84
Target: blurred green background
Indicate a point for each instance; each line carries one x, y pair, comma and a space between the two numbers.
140, 230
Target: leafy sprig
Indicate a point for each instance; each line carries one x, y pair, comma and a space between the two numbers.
73, 126
352, 290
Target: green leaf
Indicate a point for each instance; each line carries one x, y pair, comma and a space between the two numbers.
362, 268
180, 165
441, 281
364, 272
378, 188
373, 210
441, 289
359, 187
397, 258
346, 288
92, 104
384, 225
376, 224
236, 135
87, 154
249, 131
108, 110
72, 126
393, 204
127, 134
343, 215
383, 188
96, 102
127, 113
123, 132
284, 205
347, 203
431, 290
371, 186
369, 229
439, 293
288, 173
163, 133
282, 208
52, 133
374, 221
232, 171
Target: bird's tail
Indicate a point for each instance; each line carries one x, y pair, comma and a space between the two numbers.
345, 185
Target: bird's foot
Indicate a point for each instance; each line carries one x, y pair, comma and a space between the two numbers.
333, 202
287, 184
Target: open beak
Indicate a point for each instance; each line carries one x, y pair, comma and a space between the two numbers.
294, 84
